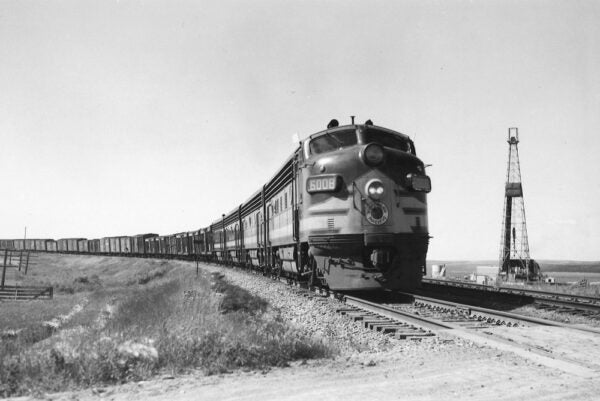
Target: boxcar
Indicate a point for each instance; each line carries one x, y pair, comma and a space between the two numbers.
163, 245
189, 244
105, 245
62, 245
181, 244
73, 244
93, 245
51, 246
6, 244
170, 242
83, 246
140, 244
115, 245
125, 244
40, 244
148, 245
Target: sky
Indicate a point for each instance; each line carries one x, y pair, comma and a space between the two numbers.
127, 117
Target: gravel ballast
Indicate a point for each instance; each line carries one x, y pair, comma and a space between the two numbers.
317, 317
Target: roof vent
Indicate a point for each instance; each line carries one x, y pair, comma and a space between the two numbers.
333, 123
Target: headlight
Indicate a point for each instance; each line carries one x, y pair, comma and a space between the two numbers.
420, 183
375, 189
377, 213
373, 154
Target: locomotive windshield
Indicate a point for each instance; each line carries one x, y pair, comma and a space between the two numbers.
388, 140
333, 141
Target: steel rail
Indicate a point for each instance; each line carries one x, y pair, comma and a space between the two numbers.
396, 314
494, 312
571, 299
484, 338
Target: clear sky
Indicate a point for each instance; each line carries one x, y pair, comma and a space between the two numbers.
125, 117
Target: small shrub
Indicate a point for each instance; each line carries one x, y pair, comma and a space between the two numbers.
148, 276
154, 274
145, 307
237, 299
82, 279
10, 376
34, 334
79, 284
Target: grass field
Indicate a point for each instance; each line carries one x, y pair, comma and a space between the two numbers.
120, 319
75, 279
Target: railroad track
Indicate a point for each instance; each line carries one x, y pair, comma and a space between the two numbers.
546, 300
478, 317
424, 315
505, 331
434, 314
541, 341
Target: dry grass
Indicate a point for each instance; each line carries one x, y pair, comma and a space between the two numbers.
22, 314
83, 273
173, 323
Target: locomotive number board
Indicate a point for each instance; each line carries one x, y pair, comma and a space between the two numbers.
323, 183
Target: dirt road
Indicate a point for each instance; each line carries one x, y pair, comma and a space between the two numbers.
429, 372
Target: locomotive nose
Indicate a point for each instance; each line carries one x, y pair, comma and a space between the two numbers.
403, 168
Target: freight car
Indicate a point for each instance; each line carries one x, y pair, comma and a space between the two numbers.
347, 209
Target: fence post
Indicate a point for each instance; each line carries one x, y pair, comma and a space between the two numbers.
4, 268
27, 262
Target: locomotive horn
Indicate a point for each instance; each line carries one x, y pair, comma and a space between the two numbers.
352, 117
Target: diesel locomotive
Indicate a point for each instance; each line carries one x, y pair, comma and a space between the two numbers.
347, 210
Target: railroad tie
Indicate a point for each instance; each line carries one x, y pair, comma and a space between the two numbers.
344, 311
373, 324
405, 335
356, 316
397, 329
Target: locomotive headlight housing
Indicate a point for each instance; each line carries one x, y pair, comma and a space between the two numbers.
376, 213
373, 154
421, 183
375, 189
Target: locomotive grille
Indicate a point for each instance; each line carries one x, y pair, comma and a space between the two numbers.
331, 224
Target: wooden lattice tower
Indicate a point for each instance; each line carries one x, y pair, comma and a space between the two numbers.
515, 261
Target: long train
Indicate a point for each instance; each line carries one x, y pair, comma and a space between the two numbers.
347, 209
